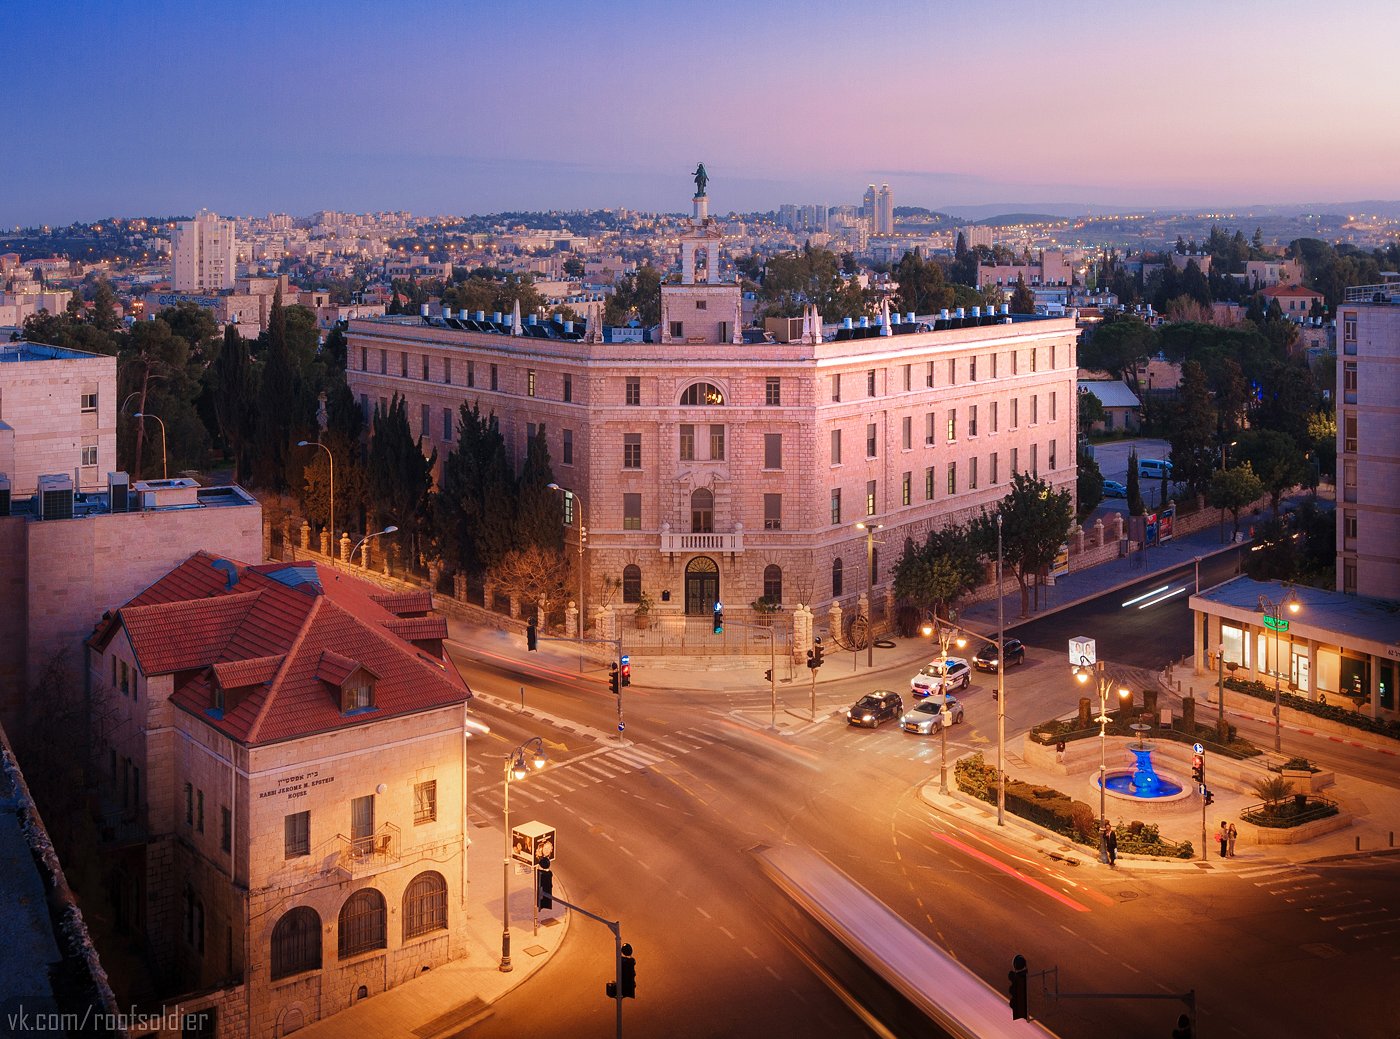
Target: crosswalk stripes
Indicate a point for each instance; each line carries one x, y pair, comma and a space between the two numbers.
1355, 917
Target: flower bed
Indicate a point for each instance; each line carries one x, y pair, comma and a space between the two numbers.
1332, 712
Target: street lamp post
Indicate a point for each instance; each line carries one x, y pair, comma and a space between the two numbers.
1273, 620
582, 541
164, 468
945, 719
1221, 730
390, 529
515, 769
1082, 673
870, 529
1001, 690
323, 447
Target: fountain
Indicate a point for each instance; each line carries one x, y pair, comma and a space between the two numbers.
1142, 781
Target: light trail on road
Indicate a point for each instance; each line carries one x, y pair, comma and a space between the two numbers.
1011, 871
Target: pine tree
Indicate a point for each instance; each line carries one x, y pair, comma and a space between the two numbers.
1022, 298
538, 516
399, 476
235, 399
1135, 506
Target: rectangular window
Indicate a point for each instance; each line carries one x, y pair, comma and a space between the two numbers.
907, 431
870, 440
1053, 409
870, 497
425, 367
1349, 575
1035, 409
568, 447
632, 511
189, 804
1015, 461
89, 402
995, 478
495, 378
631, 450
773, 391
364, 358
1348, 527
530, 430
952, 477
447, 424
717, 443
930, 428
568, 508
447, 370
568, 388
972, 369
471, 374
870, 383
928, 375
1348, 432
972, 473
906, 488
199, 810
633, 396
424, 417
383, 362
296, 835
89, 454
529, 382
1035, 459
1035, 360
425, 802
952, 371
952, 424
1053, 452
772, 450
1015, 364
677, 329
772, 512
403, 364
1349, 382
836, 387
972, 421
1015, 412
994, 366
1349, 329
929, 480
835, 447
908, 377
700, 304
687, 443
835, 506
225, 829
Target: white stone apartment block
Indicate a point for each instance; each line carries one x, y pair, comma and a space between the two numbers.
58, 414
204, 254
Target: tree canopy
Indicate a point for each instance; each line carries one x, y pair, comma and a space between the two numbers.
1035, 522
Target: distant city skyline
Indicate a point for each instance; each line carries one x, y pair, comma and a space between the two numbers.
447, 108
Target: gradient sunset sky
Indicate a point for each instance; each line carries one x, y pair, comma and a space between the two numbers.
249, 107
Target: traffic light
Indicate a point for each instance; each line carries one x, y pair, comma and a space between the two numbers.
544, 878
629, 973
626, 672
1020, 998
768, 675
1198, 768
719, 618
614, 679
817, 651
1209, 798
1183, 1029
532, 636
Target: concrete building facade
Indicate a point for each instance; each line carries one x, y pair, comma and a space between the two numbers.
203, 254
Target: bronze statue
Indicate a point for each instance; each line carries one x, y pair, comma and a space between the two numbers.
701, 179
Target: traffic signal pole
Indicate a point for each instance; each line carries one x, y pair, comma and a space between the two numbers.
615, 927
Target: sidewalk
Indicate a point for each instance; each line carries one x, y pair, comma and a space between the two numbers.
453, 996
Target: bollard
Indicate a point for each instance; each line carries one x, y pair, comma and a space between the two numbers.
1358, 844
522, 698
1392, 838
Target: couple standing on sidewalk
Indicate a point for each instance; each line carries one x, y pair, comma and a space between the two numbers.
1225, 837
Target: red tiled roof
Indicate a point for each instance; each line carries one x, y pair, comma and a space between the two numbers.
1289, 290
282, 643
403, 603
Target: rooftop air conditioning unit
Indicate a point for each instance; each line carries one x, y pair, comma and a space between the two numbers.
55, 497
118, 492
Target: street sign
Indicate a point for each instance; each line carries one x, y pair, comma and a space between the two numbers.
532, 841
1196, 748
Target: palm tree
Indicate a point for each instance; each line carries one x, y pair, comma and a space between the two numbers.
1273, 792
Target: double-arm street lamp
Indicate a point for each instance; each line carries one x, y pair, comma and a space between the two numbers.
870, 529
390, 529
331, 457
518, 764
164, 469
1274, 621
1083, 671
946, 638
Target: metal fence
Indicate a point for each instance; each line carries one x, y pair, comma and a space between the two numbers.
695, 636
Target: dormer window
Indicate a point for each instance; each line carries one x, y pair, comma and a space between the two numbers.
358, 692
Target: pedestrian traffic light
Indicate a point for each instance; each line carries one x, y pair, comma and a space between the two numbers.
768, 675
1209, 797
614, 679
544, 879
629, 973
719, 618
532, 636
817, 651
1198, 768
625, 674
1183, 1029
1020, 997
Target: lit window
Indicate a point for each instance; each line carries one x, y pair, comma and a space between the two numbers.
870, 487
702, 394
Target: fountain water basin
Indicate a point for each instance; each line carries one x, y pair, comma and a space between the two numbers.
1142, 782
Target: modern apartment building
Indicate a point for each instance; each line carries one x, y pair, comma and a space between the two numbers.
717, 464
1368, 442
58, 414
204, 254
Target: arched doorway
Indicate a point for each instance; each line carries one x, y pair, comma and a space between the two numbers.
701, 586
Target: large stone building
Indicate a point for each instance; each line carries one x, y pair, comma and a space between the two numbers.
203, 254
58, 414
1368, 443
717, 464
281, 765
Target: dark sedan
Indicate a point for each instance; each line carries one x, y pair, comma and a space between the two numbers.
987, 657
879, 706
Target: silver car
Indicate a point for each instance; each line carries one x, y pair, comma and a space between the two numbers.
923, 719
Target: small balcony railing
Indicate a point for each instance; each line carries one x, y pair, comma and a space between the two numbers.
373, 851
673, 542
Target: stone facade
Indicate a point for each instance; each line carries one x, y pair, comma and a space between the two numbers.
58, 414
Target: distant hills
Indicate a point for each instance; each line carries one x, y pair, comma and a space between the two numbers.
1030, 212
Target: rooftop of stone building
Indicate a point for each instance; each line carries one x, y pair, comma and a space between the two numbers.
23, 350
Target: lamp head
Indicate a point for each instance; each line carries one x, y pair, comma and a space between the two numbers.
1081, 674
518, 769
390, 529
927, 629
1124, 693
1294, 606
139, 414
962, 642
539, 760
303, 443
554, 487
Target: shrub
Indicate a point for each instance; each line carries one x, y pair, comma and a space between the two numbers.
1330, 711
1299, 765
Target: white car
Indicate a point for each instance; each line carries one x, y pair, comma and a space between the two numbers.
926, 717
941, 676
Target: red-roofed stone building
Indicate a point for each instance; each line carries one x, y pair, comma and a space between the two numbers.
285, 778
1296, 301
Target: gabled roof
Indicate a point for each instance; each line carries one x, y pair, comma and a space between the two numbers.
281, 634
1289, 290
1112, 393
404, 603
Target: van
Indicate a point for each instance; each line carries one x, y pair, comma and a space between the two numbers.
1154, 468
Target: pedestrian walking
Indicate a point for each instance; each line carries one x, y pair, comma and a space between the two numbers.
1230, 834
1111, 842
1222, 838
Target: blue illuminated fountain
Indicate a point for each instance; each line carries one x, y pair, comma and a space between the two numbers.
1143, 780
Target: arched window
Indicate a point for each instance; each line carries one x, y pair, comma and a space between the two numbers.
425, 905
296, 942
702, 393
702, 511
631, 583
361, 923
773, 583
836, 578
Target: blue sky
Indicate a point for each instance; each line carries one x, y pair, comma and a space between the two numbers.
139, 108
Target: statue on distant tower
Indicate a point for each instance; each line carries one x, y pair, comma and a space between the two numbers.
701, 179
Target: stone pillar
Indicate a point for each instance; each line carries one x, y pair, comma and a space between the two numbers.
288, 545
834, 618
540, 619
1117, 526
514, 606
459, 587
862, 606
571, 619
1312, 669
325, 541
1098, 533
345, 548
435, 566
267, 539
1188, 715
305, 533
1077, 545
1149, 701
488, 593
1084, 713
605, 621
889, 604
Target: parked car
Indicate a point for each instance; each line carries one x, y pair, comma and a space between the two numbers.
1114, 489
876, 707
1154, 468
941, 676
923, 718
987, 656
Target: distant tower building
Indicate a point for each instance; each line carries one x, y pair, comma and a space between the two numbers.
203, 254
788, 216
814, 218
884, 211
867, 208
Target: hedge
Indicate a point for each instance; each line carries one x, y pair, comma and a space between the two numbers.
1332, 712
